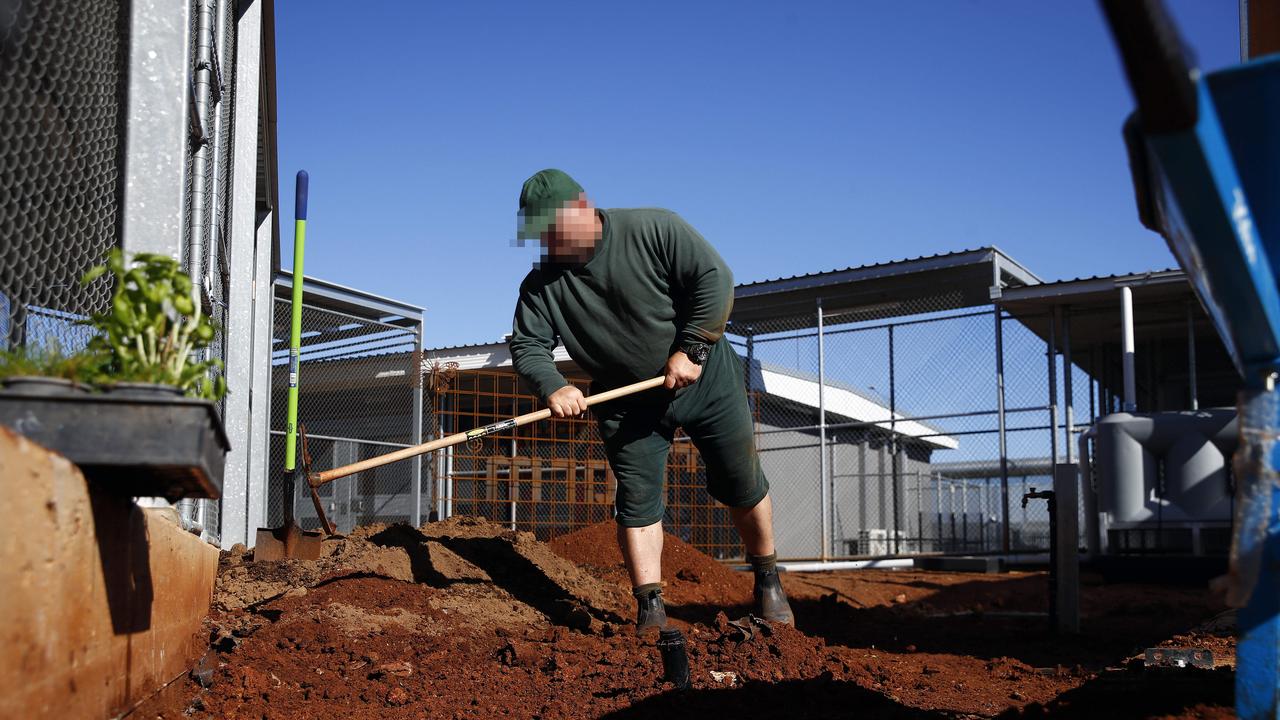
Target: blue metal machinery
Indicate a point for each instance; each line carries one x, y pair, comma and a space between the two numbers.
1205, 155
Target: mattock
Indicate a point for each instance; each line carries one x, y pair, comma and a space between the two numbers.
317, 479
306, 473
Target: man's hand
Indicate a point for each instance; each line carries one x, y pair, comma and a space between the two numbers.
680, 371
567, 402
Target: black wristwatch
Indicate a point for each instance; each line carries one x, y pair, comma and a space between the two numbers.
697, 352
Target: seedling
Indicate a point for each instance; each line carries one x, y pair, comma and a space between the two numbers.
154, 326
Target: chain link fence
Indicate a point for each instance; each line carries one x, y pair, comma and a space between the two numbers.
908, 457
907, 461
359, 389
62, 74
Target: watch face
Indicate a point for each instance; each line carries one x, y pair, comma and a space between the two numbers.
698, 353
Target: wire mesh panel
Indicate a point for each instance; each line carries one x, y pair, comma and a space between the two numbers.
358, 380
61, 109
880, 429
550, 477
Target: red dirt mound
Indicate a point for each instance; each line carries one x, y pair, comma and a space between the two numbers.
465, 619
691, 577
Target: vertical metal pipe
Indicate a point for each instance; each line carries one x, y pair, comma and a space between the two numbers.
937, 503
822, 438
448, 470
416, 388
919, 539
1004, 446
1068, 398
893, 440
1053, 387
1126, 342
218, 41
1094, 387
513, 478
1191, 356
200, 161
951, 487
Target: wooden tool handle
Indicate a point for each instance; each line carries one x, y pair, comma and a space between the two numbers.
320, 478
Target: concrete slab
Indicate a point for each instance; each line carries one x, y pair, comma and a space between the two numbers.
102, 602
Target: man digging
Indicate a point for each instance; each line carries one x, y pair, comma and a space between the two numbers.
634, 293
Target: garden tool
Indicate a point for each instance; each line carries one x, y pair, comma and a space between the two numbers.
320, 478
289, 540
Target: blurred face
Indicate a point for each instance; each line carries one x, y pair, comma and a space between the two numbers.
573, 236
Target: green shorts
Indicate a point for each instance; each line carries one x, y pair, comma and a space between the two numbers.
713, 412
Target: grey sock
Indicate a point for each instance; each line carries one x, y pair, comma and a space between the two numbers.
764, 563
647, 589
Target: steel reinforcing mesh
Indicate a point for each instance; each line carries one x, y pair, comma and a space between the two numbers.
61, 104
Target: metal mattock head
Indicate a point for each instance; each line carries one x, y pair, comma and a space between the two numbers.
306, 456
311, 485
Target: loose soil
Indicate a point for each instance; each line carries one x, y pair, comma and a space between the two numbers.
465, 619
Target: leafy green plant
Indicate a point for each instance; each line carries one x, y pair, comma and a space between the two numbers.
154, 326
50, 361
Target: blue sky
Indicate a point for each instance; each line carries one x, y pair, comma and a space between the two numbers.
797, 137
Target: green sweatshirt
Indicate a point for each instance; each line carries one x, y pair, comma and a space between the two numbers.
653, 284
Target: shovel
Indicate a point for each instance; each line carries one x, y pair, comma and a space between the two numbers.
289, 540
315, 480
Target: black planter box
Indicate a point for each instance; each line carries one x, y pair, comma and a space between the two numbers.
174, 447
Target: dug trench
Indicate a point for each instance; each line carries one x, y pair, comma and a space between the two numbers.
466, 619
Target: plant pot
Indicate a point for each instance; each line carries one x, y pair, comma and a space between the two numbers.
143, 390
162, 445
40, 386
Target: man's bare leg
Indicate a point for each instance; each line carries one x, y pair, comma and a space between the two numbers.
755, 525
642, 552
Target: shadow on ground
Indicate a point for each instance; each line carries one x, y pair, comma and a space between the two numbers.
993, 619
1140, 693
792, 699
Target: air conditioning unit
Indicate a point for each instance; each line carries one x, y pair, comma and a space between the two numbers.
880, 541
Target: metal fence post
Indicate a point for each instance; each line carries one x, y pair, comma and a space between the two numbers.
937, 503
249, 300
415, 386
824, 493
1068, 398
893, 444
1004, 447
1052, 347
154, 186
919, 514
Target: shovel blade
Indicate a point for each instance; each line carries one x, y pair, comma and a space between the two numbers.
288, 541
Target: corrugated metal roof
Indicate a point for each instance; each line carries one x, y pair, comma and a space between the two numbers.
1118, 276
896, 263
868, 266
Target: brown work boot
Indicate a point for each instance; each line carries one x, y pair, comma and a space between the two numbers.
770, 599
651, 614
